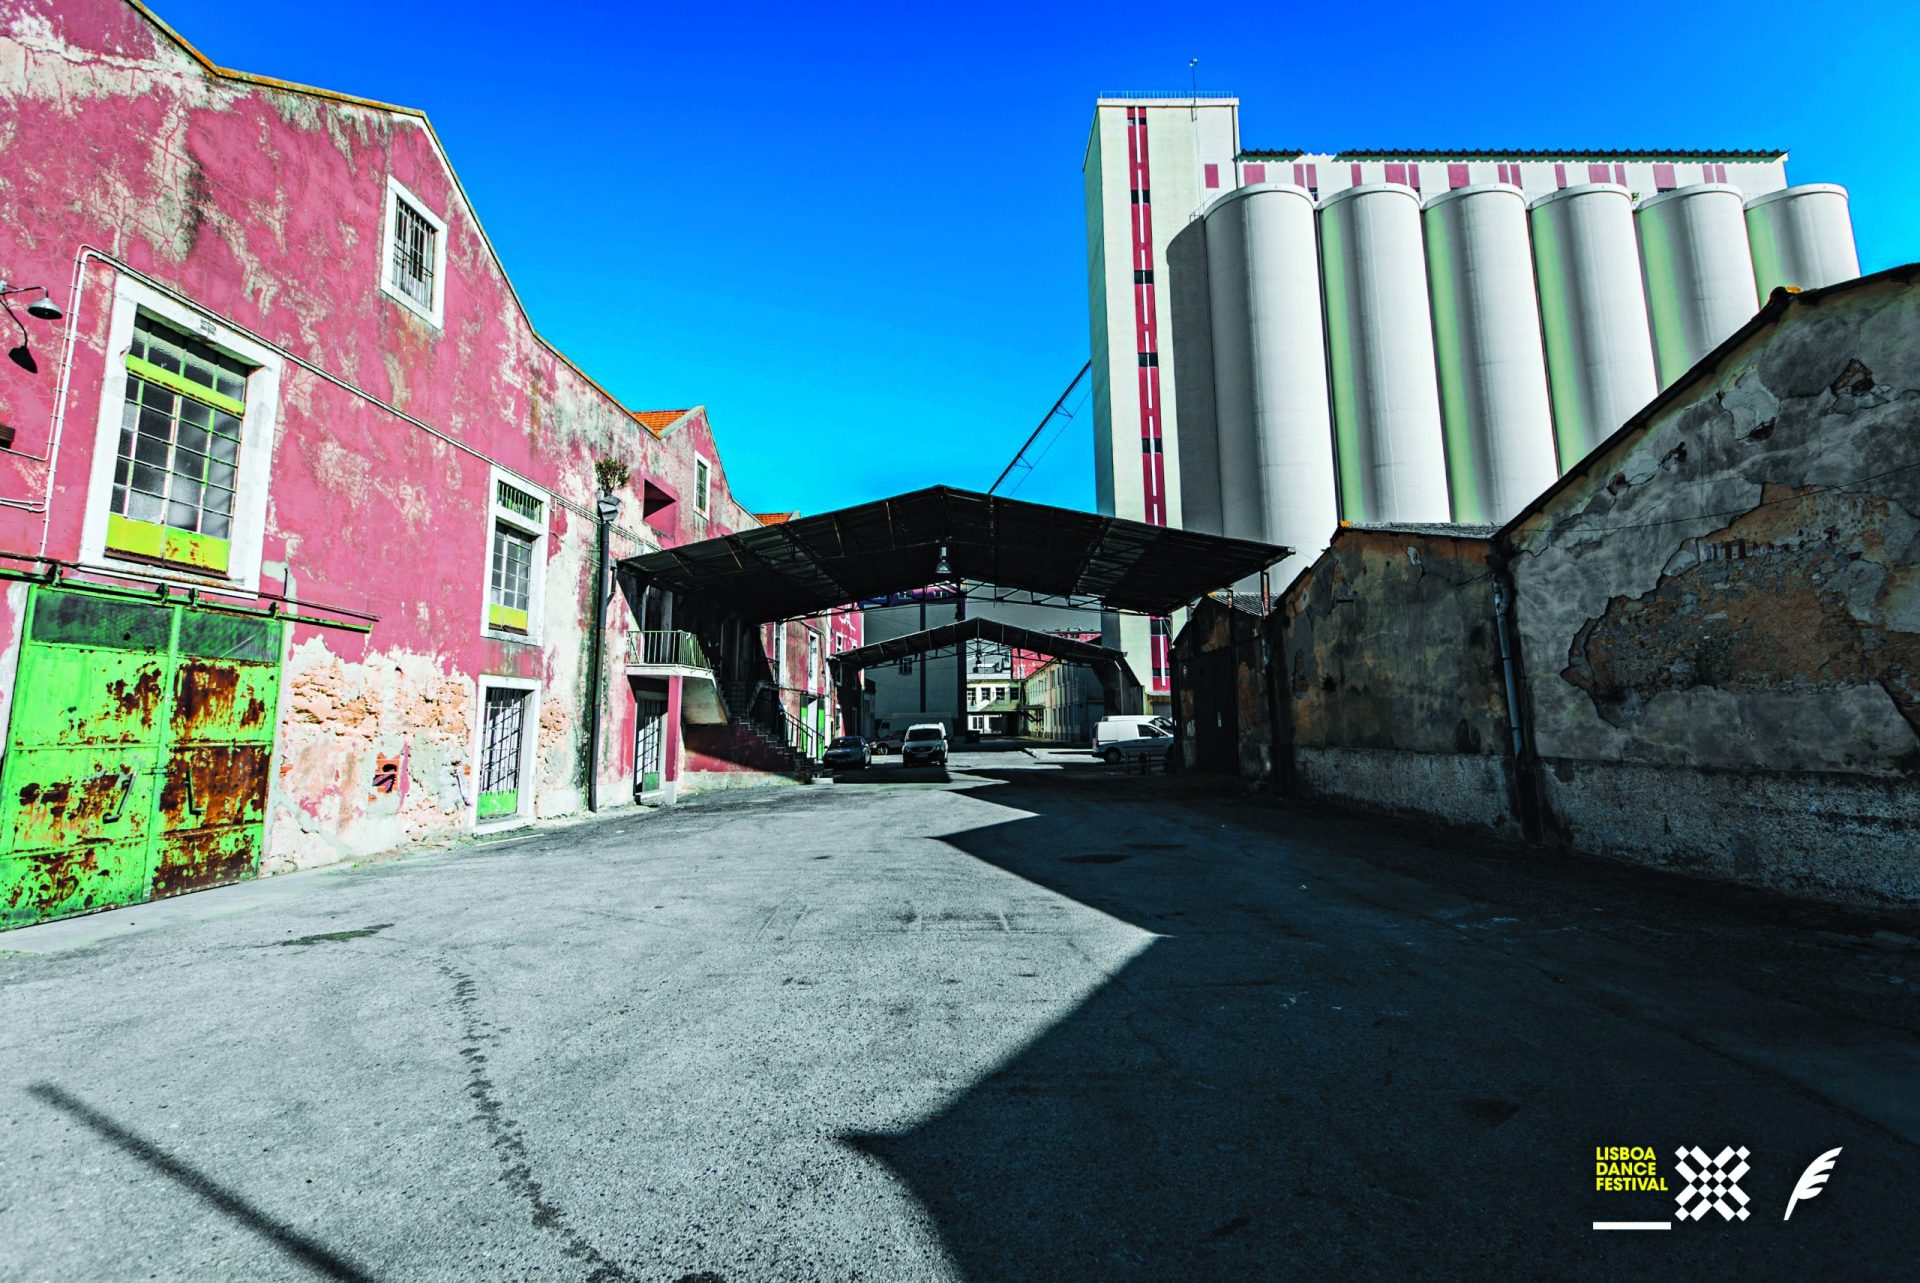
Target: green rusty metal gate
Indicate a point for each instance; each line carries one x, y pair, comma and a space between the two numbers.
138, 752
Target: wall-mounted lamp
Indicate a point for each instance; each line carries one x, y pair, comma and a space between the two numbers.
41, 309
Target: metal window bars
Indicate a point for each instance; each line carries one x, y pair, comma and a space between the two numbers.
413, 253
500, 750
518, 502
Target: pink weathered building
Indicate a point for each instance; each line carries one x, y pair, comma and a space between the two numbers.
298, 512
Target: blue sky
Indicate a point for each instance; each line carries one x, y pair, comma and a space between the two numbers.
857, 233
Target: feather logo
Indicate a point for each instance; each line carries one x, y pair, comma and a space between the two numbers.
1812, 1181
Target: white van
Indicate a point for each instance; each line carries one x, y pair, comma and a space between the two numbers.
1131, 726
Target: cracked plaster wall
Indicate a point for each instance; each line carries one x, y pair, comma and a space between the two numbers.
1393, 681
1720, 619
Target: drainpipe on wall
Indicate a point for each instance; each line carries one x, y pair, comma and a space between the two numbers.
608, 508
1526, 796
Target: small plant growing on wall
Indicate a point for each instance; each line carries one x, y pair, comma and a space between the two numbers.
610, 474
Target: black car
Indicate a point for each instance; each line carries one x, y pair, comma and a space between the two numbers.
848, 753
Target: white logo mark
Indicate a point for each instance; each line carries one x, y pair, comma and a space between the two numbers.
1715, 1187
1812, 1181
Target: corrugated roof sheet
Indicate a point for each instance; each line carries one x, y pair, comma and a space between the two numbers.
774, 518
853, 554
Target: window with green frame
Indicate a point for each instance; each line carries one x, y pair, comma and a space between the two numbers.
174, 477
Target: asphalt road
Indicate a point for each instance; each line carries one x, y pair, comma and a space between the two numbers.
1034, 1020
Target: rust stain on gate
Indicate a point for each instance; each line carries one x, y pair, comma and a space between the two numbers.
138, 755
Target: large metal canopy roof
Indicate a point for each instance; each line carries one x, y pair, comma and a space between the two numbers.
812, 564
895, 649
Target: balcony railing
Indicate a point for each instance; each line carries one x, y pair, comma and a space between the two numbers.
667, 649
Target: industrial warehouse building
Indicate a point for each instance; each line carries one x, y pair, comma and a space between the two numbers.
1698, 650
299, 515
1283, 340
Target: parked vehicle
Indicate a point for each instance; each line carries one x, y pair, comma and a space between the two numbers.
887, 743
925, 744
848, 753
1125, 727
1151, 742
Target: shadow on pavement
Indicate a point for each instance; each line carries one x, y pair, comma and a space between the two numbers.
1322, 1067
893, 771
315, 1256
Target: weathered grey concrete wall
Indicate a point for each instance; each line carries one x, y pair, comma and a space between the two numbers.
1393, 683
1719, 614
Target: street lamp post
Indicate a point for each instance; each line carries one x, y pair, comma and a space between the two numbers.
607, 508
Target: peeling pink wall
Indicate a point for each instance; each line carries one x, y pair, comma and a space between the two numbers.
264, 206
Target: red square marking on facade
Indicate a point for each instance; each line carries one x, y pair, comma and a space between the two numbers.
1256, 174
1457, 175
1213, 175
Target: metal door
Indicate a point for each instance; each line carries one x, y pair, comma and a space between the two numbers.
649, 741
214, 772
138, 753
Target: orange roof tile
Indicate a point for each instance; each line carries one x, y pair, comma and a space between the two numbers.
655, 420
774, 518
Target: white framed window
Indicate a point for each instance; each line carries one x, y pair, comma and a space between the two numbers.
413, 255
183, 444
515, 602
506, 719
702, 486
780, 652
813, 662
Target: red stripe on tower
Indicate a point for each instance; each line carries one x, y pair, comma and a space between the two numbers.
1153, 467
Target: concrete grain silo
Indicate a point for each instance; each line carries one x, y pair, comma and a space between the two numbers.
1697, 270
1593, 314
1802, 237
1275, 434
1486, 339
1386, 401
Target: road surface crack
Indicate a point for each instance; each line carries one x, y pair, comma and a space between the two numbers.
509, 1139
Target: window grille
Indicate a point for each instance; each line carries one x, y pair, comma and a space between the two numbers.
702, 485
500, 752
179, 433
519, 502
414, 247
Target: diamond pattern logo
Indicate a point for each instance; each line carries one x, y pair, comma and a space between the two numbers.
1713, 1183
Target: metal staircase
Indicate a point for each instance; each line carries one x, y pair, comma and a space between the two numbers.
756, 711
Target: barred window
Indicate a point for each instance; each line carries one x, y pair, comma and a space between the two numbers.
176, 469
415, 243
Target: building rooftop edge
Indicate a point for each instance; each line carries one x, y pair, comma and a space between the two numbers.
1163, 100
1639, 153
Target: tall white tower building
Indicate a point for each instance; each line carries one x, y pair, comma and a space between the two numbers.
1286, 339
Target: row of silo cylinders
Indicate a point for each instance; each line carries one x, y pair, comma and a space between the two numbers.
1466, 352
